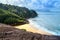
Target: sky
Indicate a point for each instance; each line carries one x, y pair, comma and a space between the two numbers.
53, 5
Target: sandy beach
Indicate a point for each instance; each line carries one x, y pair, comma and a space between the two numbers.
30, 28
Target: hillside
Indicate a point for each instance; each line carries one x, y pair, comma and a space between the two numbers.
9, 33
12, 15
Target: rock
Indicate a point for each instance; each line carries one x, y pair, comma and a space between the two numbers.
10, 33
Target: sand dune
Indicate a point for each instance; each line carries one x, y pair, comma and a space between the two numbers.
30, 28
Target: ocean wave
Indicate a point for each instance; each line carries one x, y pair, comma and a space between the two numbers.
38, 24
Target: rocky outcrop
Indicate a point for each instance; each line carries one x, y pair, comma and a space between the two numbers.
9, 33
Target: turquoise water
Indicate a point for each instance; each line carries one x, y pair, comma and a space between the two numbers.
48, 21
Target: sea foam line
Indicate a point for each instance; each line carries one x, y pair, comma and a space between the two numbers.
42, 28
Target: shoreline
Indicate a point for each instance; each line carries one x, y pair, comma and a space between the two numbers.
29, 28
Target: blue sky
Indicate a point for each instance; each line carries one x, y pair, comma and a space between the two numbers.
53, 5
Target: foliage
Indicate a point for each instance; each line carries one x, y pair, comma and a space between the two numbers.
10, 14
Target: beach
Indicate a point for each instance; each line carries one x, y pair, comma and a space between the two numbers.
30, 28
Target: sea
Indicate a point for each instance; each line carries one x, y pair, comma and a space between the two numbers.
47, 21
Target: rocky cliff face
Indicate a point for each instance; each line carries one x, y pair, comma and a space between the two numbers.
9, 33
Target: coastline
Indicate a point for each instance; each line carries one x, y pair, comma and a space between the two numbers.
30, 28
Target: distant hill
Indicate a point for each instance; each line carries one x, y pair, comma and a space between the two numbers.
10, 14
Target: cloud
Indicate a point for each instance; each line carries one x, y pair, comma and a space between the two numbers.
3, 1
34, 4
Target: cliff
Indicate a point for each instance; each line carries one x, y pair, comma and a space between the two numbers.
9, 33
14, 15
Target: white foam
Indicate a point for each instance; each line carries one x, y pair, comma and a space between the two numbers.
45, 29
